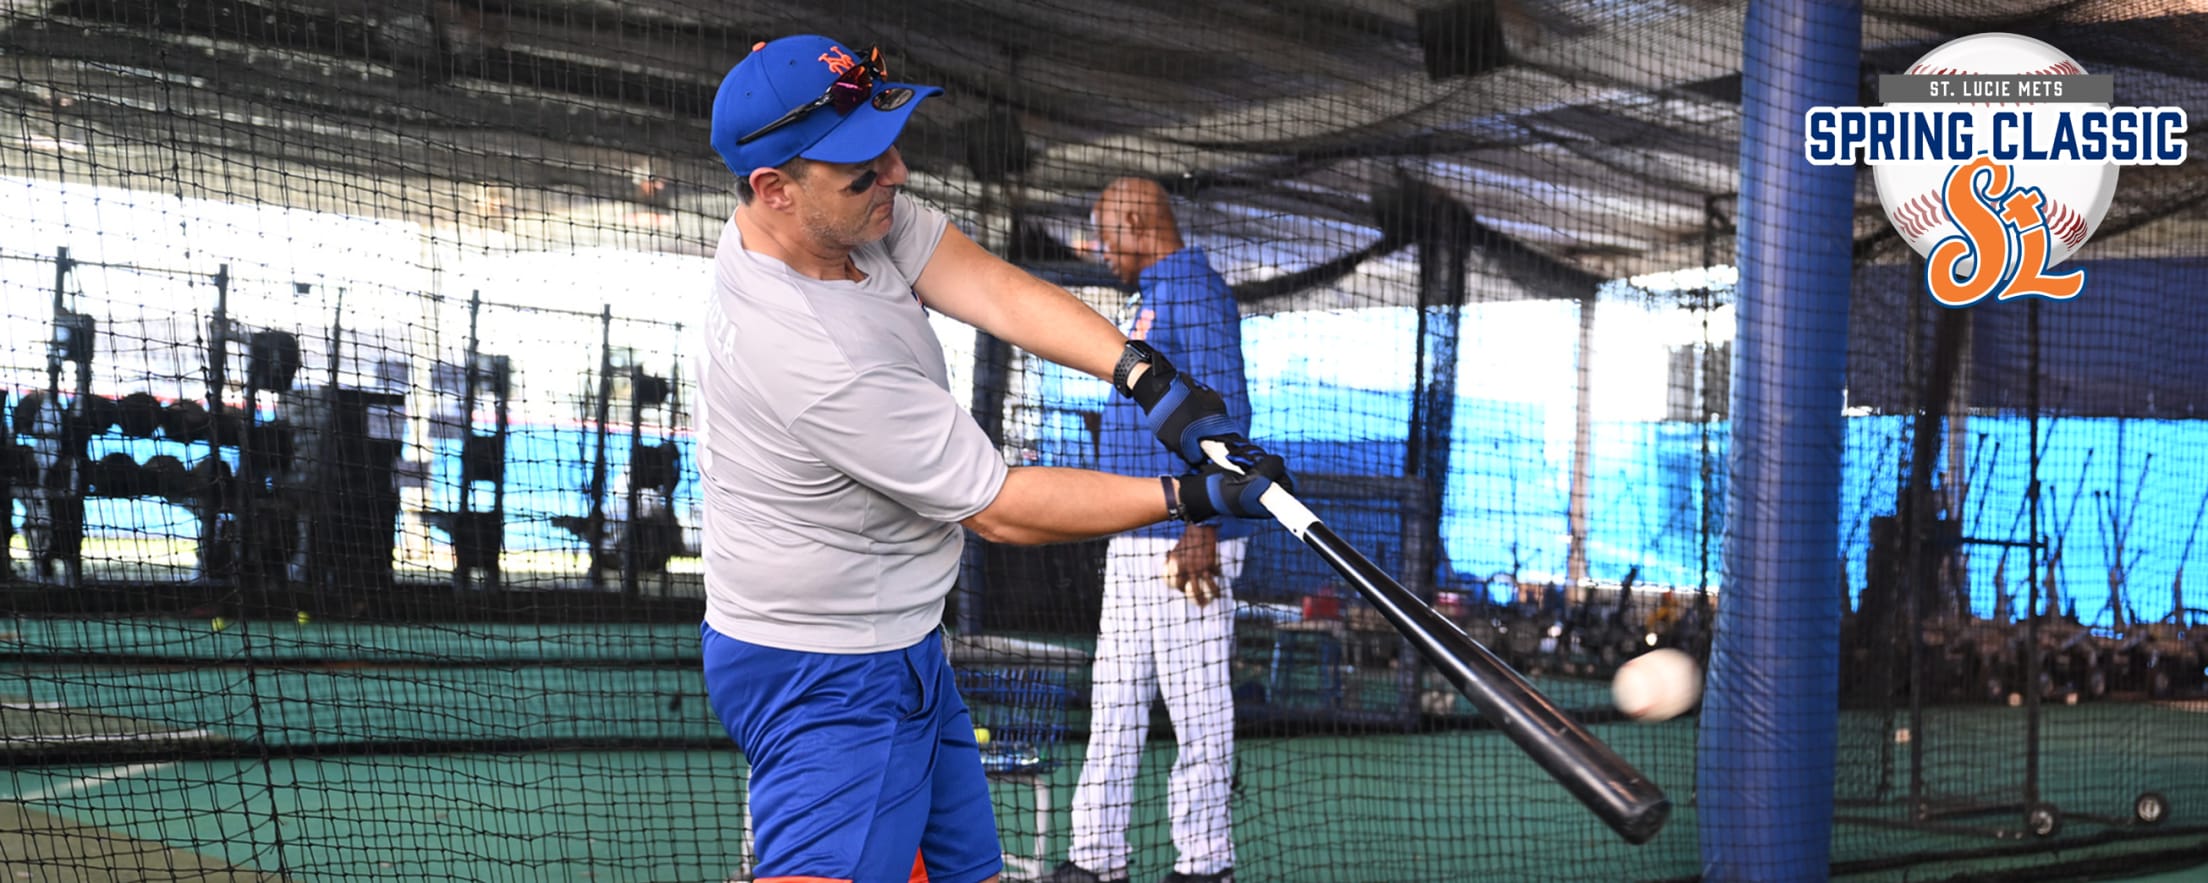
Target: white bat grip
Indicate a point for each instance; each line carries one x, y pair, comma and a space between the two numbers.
1291, 512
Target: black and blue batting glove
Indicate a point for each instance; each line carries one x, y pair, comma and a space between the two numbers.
1180, 411
1213, 490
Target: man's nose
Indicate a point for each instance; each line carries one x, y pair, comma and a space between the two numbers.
895, 173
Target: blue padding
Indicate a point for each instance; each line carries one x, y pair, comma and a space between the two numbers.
1764, 764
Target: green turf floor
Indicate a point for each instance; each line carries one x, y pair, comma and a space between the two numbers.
1440, 807
2194, 874
1340, 806
187, 640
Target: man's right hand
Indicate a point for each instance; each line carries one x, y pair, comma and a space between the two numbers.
1213, 489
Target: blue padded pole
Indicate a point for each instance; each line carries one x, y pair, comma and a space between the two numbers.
1764, 762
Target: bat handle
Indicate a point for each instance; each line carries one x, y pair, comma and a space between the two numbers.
1291, 512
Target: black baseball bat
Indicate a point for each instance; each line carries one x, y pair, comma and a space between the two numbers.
1602, 781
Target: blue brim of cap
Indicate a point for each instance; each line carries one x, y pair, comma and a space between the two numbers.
868, 132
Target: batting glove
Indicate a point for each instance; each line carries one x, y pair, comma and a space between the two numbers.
1180, 411
1213, 489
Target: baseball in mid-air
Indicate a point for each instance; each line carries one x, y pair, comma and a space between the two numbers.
1657, 685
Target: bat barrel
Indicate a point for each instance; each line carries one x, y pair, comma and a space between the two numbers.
1605, 783
1602, 781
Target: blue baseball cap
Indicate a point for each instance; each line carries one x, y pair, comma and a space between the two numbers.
789, 73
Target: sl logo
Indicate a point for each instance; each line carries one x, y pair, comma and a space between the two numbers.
2003, 242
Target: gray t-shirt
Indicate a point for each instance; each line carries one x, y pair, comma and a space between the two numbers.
836, 463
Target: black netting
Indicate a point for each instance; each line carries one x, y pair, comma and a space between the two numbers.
354, 501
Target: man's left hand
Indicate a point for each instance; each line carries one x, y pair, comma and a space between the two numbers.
1192, 566
1177, 409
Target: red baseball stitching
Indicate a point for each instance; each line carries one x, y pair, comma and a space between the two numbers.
1920, 215
2060, 68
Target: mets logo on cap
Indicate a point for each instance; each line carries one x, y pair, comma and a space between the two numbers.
1996, 157
837, 60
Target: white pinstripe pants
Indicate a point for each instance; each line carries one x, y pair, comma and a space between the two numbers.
1153, 639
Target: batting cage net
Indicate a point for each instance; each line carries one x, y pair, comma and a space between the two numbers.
348, 371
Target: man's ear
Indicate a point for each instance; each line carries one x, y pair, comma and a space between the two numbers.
771, 186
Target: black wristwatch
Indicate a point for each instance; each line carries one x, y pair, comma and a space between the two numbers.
1136, 353
1154, 381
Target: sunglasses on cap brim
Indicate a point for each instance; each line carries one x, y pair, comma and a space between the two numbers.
852, 88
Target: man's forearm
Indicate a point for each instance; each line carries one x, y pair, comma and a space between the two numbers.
1046, 320
967, 283
1044, 504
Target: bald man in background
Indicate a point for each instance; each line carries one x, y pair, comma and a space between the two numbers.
1168, 621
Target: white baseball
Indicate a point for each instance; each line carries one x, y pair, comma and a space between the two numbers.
2077, 192
1657, 685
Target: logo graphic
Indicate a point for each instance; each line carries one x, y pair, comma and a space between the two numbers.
838, 60
892, 98
1996, 157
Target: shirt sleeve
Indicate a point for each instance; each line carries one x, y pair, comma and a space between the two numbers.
1199, 328
914, 232
893, 430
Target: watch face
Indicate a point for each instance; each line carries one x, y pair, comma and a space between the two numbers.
1136, 353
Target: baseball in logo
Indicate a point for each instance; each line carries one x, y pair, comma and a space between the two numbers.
1996, 157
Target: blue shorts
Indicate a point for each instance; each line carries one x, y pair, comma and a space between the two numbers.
859, 763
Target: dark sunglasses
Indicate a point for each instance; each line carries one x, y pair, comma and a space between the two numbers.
851, 89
